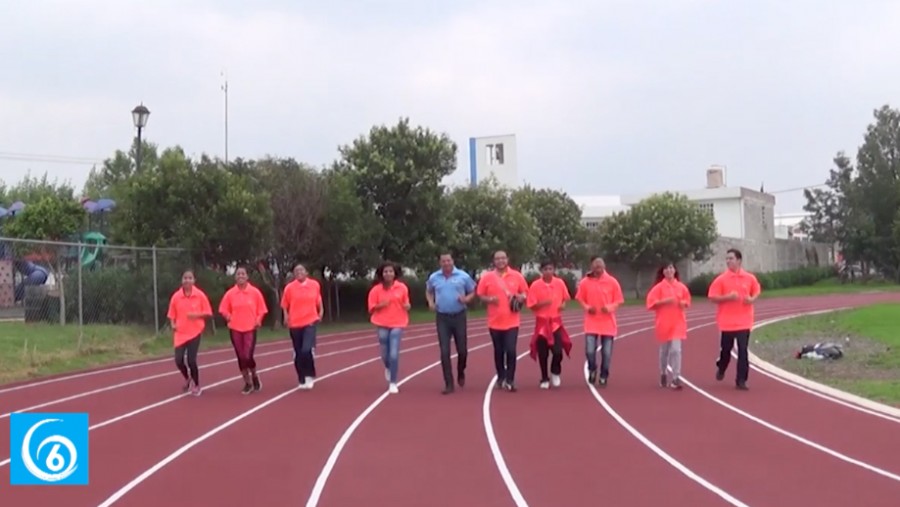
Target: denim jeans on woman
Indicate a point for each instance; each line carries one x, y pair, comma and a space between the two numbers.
606, 348
389, 341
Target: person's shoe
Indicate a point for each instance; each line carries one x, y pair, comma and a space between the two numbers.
187, 385
257, 384
248, 388
461, 379
448, 389
602, 382
592, 377
195, 390
741, 386
676, 384
555, 381
510, 387
393, 389
663, 380
545, 384
720, 374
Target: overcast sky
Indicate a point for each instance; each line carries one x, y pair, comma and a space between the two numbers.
605, 97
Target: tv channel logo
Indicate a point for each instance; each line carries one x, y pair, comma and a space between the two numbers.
48, 449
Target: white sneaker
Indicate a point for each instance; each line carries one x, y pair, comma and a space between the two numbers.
393, 389
545, 385
310, 381
555, 380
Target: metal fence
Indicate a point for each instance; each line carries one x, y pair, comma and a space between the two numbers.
87, 282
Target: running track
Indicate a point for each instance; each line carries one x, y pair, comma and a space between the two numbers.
349, 443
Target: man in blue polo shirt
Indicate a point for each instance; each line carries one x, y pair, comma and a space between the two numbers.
449, 290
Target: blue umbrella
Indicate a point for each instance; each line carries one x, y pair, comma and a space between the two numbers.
105, 204
89, 206
16, 207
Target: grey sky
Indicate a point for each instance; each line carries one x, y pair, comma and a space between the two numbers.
605, 97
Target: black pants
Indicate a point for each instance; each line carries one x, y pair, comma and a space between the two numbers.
543, 350
742, 338
304, 339
452, 325
505, 353
188, 349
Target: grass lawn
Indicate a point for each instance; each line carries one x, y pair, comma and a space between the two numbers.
870, 337
832, 286
36, 350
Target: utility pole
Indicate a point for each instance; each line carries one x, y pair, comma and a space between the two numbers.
225, 89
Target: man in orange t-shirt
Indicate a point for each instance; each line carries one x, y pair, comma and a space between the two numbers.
503, 290
547, 297
303, 309
600, 295
734, 291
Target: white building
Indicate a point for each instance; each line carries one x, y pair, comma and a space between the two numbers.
740, 212
494, 155
789, 225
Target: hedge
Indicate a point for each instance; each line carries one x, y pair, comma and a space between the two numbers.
809, 275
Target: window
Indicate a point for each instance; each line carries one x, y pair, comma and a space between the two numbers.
592, 224
707, 207
494, 154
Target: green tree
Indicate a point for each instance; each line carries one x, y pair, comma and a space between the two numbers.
30, 190
351, 231
662, 227
561, 235
215, 214
397, 172
51, 218
103, 182
485, 219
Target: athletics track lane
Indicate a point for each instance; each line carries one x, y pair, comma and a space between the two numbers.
123, 450
749, 461
561, 448
284, 444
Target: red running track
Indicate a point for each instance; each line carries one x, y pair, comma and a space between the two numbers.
347, 442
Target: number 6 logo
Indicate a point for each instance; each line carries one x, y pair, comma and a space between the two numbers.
54, 461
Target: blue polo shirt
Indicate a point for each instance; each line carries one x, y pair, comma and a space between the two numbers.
447, 289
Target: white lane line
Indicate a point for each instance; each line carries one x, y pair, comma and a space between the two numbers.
146, 474
659, 452
792, 436
336, 451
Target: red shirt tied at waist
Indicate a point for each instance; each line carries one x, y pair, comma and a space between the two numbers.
548, 318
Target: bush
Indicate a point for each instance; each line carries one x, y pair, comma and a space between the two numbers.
800, 277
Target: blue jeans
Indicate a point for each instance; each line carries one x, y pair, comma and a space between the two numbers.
606, 350
389, 341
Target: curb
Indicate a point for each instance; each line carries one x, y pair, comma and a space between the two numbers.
816, 388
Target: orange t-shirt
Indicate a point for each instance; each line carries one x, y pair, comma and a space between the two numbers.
502, 286
671, 320
180, 305
599, 292
245, 307
393, 315
301, 301
735, 315
541, 290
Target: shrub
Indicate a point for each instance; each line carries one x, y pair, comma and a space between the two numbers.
799, 277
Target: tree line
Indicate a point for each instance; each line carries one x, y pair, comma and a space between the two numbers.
859, 208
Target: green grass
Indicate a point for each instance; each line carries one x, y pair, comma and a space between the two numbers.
870, 337
29, 351
832, 286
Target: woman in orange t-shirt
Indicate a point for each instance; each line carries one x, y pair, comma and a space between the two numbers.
188, 310
243, 308
303, 310
669, 298
388, 303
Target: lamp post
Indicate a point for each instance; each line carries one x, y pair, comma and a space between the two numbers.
139, 115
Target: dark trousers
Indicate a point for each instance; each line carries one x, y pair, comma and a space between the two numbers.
188, 349
543, 350
244, 343
452, 325
742, 337
304, 339
505, 353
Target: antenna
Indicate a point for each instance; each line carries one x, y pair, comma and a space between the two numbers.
224, 88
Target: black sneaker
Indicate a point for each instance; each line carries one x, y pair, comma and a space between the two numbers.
247, 389
742, 386
461, 379
592, 377
602, 382
676, 384
257, 385
510, 387
720, 374
447, 389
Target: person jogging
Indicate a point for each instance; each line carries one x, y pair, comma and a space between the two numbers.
669, 298
547, 297
503, 290
303, 310
600, 294
243, 308
389, 305
449, 290
189, 308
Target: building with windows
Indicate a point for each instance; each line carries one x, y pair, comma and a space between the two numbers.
740, 213
494, 155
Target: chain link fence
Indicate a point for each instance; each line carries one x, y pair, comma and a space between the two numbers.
85, 283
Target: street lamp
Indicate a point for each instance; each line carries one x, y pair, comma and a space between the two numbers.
139, 115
